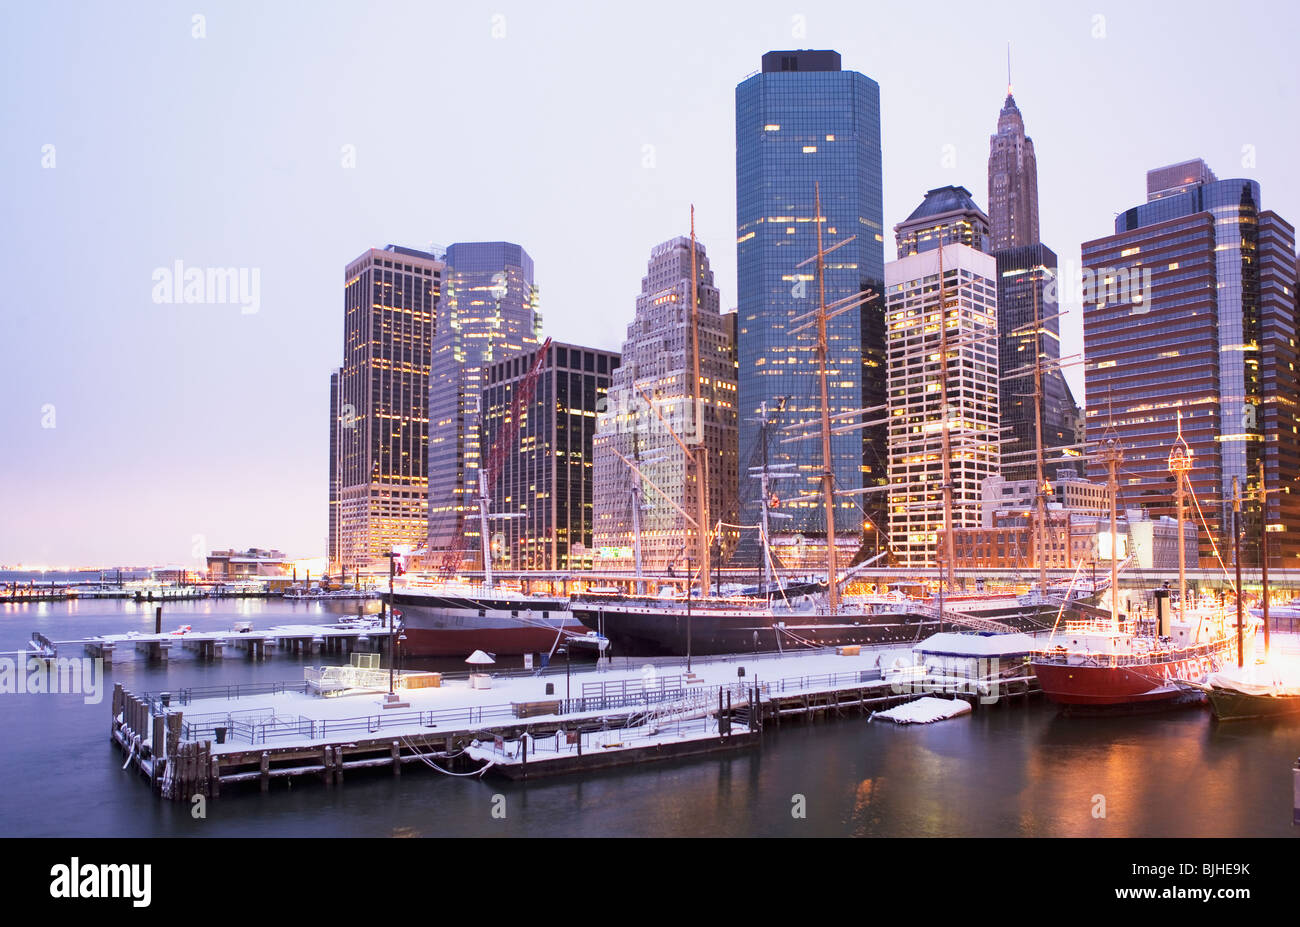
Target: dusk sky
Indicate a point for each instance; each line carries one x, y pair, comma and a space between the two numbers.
145, 432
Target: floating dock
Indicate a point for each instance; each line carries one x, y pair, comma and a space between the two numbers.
342, 638
201, 741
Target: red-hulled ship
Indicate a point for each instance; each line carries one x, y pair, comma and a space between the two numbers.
1101, 666
1117, 663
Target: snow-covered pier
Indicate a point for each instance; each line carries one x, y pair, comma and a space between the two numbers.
365, 636
340, 719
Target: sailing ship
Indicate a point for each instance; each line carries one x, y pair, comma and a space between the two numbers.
1109, 663
779, 618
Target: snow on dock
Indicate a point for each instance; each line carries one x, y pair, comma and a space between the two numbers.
367, 634
925, 710
192, 741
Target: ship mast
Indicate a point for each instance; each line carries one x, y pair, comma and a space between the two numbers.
636, 505
1263, 552
828, 471
1040, 487
949, 541
1180, 462
700, 454
1112, 456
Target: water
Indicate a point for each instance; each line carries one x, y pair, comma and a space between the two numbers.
1008, 771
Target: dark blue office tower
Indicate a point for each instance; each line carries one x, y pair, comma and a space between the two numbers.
801, 121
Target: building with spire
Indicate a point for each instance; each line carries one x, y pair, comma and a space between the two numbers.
1029, 324
1013, 181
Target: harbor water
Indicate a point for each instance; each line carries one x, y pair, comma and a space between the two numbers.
1013, 770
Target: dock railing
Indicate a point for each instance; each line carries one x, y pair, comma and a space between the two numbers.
260, 726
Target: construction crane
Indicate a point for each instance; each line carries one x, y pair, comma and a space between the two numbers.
490, 472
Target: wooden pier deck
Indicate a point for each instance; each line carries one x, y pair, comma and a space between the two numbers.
201, 741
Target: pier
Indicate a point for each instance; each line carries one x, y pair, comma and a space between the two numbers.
343, 638
201, 741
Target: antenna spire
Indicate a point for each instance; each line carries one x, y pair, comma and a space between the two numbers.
1008, 69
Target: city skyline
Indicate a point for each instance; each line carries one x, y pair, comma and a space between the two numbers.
126, 446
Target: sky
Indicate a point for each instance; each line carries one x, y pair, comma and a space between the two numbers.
284, 139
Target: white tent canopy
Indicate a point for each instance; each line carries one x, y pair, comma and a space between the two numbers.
479, 657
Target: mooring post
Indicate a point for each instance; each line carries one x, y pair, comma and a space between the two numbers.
157, 620
1295, 775
397, 759
265, 777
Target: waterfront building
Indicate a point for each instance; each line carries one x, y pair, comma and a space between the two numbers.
379, 406
488, 313
803, 120
1072, 539
1191, 314
546, 484
1027, 286
1069, 491
650, 393
254, 563
915, 314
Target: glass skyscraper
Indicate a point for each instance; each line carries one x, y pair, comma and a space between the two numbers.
489, 312
802, 121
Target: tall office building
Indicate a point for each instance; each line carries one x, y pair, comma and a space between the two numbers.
1027, 276
379, 406
1192, 312
546, 479
489, 312
947, 215
651, 394
802, 120
332, 547
1013, 181
917, 320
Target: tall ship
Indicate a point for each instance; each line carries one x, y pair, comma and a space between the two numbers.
1116, 663
771, 617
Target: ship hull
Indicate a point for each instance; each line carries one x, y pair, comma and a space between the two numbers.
1238, 706
1134, 684
671, 632
450, 626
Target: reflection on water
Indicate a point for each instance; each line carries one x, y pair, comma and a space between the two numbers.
1004, 771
